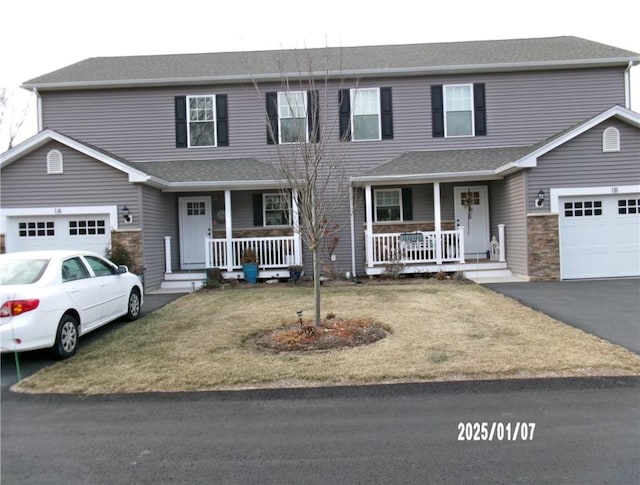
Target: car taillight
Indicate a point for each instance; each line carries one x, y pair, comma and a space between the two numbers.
12, 308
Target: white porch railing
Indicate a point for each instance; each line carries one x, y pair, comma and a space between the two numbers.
272, 252
418, 247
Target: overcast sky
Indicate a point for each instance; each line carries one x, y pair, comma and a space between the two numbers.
38, 36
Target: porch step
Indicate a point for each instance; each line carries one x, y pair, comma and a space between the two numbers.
183, 281
493, 276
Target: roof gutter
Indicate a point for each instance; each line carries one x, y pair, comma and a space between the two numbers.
428, 177
220, 185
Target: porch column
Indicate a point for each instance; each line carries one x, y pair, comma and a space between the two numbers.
368, 233
167, 254
228, 232
437, 218
501, 241
297, 238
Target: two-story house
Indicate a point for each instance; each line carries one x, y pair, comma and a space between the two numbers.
515, 155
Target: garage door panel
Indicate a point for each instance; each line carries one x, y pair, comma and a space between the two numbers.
600, 236
90, 232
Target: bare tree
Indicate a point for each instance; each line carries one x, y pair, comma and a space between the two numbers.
12, 116
309, 150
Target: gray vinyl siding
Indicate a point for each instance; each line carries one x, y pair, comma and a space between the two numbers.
582, 163
85, 182
522, 108
160, 219
507, 206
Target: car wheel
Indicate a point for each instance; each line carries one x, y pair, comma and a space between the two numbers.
67, 337
133, 305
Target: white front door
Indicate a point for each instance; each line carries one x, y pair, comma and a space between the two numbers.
472, 213
195, 227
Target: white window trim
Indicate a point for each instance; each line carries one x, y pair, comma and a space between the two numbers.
285, 95
444, 109
214, 121
352, 94
555, 194
264, 209
375, 204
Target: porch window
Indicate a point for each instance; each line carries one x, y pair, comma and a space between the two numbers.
388, 205
365, 114
276, 210
458, 110
202, 120
292, 115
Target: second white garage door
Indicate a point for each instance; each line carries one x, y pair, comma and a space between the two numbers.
89, 232
600, 236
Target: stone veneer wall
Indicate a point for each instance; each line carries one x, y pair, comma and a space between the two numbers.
543, 247
132, 242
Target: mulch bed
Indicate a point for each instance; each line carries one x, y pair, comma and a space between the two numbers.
332, 333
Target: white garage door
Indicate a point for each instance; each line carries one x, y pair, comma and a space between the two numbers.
600, 236
90, 232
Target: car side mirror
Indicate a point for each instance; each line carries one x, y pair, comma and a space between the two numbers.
122, 269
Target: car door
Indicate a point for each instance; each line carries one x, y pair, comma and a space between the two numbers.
114, 294
83, 290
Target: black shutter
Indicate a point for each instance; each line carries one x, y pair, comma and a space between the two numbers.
272, 114
181, 121
344, 102
257, 210
313, 115
386, 113
437, 111
407, 204
222, 120
479, 109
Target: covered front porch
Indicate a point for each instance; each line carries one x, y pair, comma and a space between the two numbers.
442, 211
439, 245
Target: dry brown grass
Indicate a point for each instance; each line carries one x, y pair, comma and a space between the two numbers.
440, 331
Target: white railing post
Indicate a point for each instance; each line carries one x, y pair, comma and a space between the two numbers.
501, 241
369, 230
167, 254
208, 263
228, 230
461, 243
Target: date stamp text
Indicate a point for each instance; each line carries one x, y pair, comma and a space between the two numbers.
496, 431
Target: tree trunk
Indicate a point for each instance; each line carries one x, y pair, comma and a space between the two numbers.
316, 286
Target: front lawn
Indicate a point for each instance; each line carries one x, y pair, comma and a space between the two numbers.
438, 331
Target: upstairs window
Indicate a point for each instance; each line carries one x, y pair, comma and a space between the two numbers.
458, 110
201, 121
365, 114
292, 117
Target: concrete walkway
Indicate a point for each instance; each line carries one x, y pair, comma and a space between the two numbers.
609, 309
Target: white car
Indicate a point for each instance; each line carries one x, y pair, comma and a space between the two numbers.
50, 298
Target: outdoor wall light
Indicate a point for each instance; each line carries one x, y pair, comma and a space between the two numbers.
126, 216
540, 199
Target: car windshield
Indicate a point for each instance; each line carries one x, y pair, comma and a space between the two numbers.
21, 271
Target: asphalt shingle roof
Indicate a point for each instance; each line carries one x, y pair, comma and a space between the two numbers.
432, 162
213, 171
361, 61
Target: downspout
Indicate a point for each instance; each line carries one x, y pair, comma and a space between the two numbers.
38, 108
627, 84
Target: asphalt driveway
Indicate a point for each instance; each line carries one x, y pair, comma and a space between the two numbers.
609, 309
